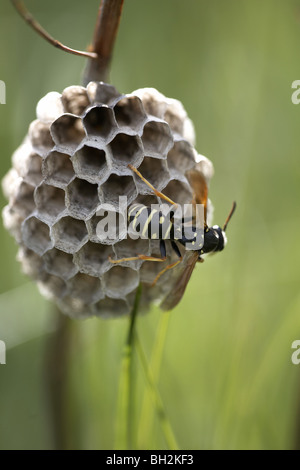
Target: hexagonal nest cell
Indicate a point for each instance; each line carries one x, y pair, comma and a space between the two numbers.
130, 114
50, 201
52, 286
179, 191
82, 198
157, 139
67, 132
58, 169
69, 234
65, 185
40, 137
126, 149
32, 263
32, 172
155, 171
36, 235
100, 123
93, 259
102, 93
120, 281
181, 157
90, 163
85, 288
60, 264
23, 198
75, 100
117, 186
135, 247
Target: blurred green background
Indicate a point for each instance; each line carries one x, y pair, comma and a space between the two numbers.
227, 379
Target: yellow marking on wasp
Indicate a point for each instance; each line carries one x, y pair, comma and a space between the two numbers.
168, 231
161, 220
148, 222
132, 209
136, 216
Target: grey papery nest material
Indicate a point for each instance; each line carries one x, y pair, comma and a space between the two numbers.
72, 168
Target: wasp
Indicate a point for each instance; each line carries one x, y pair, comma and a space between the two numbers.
210, 240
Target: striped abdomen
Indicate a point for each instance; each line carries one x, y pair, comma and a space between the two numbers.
150, 223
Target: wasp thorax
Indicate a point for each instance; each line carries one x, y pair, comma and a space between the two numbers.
69, 173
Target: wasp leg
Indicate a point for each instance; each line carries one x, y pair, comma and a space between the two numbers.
170, 266
163, 253
176, 249
158, 193
134, 258
194, 200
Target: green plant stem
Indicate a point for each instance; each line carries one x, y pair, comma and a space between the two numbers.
147, 411
162, 415
125, 398
103, 42
56, 374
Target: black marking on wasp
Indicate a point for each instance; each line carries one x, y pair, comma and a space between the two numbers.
212, 239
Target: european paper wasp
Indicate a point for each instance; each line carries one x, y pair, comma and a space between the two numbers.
154, 225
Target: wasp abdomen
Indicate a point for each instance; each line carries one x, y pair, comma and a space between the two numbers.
150, 223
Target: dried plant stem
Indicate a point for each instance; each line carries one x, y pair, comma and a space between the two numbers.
125, 399
26, 15
147, 411
56, 374
162, 415
103, 42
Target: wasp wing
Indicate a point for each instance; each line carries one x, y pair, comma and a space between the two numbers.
198, 184
175, 295
199, 187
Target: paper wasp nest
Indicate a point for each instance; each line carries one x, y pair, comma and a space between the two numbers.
70, 167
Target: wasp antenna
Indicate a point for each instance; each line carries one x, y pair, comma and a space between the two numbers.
229, 216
